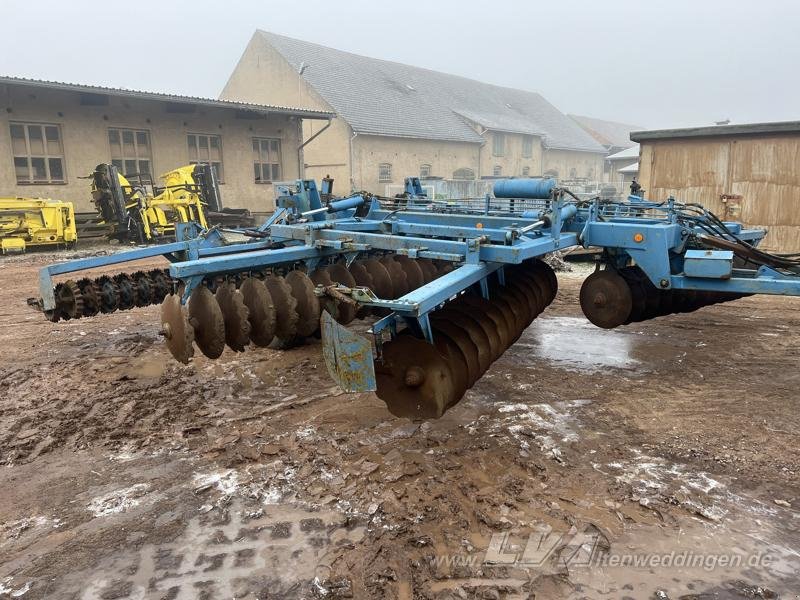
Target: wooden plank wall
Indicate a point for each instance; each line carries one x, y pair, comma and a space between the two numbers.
764, 170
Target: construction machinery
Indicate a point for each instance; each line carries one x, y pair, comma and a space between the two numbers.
142, 212
26, 222
447, 285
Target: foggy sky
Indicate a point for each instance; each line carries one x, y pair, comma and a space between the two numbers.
651, 63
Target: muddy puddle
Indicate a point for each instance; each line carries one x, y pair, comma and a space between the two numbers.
574, 344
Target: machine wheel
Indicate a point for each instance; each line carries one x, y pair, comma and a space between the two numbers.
606, 299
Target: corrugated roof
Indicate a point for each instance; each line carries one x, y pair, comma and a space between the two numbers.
392, 99
718, 130
96, 89
609, 133
628, 153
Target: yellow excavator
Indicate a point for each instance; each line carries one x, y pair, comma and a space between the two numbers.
141, 212
28, 222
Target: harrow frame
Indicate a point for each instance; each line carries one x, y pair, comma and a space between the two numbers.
483, 239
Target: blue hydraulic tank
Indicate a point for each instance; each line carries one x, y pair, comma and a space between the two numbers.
538, 188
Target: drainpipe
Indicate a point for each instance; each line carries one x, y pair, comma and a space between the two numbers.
300, 161
480, 148
352, 167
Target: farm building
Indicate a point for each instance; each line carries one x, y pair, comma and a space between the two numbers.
396, 120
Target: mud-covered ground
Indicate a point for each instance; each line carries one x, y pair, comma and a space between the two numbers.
659, 460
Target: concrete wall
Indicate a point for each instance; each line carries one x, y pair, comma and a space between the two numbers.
84, 131
762, 169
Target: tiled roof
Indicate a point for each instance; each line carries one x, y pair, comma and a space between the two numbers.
386, 98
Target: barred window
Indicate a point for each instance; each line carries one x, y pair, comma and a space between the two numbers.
385, 173
206, 149
464, 173
526, 171
267, 160
131, 152
497, 171
424, 170
498, 144
38, 153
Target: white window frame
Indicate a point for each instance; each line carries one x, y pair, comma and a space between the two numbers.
45, 156
137, 155
218, 165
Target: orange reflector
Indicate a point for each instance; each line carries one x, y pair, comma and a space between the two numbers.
479, 225
638, 238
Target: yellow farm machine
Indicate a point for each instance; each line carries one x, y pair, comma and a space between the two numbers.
141, 212
26, 222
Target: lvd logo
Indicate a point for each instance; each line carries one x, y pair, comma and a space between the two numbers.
574, 548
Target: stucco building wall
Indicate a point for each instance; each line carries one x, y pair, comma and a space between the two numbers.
84, 132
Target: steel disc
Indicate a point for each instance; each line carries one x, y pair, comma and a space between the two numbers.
513, 310
176, 329
69, 301
496, 347
397, 276
308, 308
143, 287
206, 318
545, 275
106, 291
414, 277
91, 303
339, 274
504, 310
444, 267
494, 314
638, 296
457, 363
413, 379
286, 316
652, 297
362, 279
664, 302
429, 271
537, 291
320, 277
162, 285
380, 278
126, 292
526, 292
236, 316
476, 334
525, 315
469, 352
261, 311
606, 299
